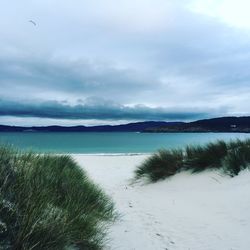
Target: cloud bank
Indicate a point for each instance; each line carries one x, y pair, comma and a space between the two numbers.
96, 109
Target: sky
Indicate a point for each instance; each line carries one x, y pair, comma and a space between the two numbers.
116, 61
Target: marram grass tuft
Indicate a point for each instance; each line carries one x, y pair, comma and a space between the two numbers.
48, 202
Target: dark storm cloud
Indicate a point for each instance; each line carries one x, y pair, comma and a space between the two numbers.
95, 109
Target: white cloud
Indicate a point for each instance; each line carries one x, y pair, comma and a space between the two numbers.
233, 13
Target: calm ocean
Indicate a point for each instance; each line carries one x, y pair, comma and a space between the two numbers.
109, 143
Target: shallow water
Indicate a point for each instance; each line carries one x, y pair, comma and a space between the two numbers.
108, 143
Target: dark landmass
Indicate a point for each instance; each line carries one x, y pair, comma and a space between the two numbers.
131, 127
221, 124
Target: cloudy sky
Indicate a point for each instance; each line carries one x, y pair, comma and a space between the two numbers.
114, 61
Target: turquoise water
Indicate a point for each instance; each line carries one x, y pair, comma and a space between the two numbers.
107, 143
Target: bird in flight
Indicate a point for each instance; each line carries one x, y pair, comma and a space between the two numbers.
31, 21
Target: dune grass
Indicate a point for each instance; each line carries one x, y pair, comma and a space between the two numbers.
231, 158
199, 158
48, 202
237, 158
171, 159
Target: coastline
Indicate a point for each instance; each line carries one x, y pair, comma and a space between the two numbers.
108, 154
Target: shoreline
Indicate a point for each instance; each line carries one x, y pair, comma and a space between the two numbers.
107, 154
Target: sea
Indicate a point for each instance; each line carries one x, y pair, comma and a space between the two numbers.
109, 143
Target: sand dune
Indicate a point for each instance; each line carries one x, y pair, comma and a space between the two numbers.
204, 211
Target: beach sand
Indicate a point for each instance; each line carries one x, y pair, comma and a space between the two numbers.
205, 211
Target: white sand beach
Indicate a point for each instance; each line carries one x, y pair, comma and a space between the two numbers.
203, 211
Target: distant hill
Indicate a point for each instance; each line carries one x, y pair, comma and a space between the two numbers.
221, 124
130, 127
